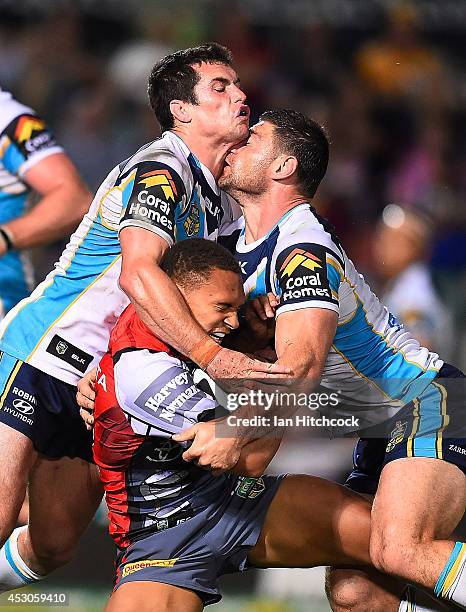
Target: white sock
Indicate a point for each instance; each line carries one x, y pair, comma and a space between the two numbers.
451, 584
416, 600
14, 573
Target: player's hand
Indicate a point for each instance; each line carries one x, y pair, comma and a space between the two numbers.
207, 451
229, 364
259, 318
264, 306
85, 397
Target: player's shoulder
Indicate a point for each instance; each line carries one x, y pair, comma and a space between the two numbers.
11, 109
166, 155
134, 368
139, 371
303, 226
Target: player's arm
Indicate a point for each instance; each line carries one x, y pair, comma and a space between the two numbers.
303, 339
144, 239
308, 277
256, 456
140, 377
155, 296
47, 170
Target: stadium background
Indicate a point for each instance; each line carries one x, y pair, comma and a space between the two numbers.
386, 79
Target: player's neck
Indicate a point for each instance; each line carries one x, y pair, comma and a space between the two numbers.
211, 154
262, 213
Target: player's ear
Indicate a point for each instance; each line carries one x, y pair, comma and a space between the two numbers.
180, 111
284, 166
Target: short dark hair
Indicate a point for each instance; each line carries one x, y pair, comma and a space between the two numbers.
192, 261
306, 140
174, 78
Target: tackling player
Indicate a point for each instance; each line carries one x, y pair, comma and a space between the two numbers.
177, 527
164, 193
31, 161
331, 327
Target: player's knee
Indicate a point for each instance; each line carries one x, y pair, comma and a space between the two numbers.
348, 591
51, 555
391, 554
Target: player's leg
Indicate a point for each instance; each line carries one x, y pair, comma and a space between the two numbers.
64, 495
153, 597
311, 522
360, 590
418, 504
17, 455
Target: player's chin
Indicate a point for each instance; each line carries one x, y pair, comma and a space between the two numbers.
224, 179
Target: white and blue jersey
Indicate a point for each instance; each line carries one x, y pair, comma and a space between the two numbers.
24, 140
64, 326
373, 361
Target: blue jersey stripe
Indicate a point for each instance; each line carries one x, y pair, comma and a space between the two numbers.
13, 159
333, 277
366, 350
430, 420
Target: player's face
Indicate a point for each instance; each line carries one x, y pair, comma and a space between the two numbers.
246, 167
215, 304
221, 111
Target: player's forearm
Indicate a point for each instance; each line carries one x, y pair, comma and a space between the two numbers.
162, 307
301, 360
256, 456
55, 216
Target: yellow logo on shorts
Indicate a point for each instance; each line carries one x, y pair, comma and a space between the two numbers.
397, 435
130, 568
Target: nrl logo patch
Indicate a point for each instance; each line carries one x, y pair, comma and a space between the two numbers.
61, 347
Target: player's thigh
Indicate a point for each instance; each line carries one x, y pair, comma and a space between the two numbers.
153, 597
63, 497
312, 521
418, 499
17, 455
357, 589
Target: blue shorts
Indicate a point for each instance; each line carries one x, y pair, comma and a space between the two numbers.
44, 409
433, 425
216, 541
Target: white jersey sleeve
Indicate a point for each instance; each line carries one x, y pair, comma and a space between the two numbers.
25, 139
308, 268
156, 189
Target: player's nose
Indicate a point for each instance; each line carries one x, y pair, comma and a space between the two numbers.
238, 94
232, 320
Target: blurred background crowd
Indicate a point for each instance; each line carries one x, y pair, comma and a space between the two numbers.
385, 78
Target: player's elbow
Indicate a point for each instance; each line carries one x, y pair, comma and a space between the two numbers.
82, 200
130, 282
133, 279
76, 199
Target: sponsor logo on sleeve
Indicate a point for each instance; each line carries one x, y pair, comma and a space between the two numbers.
302, 275
31, 134
153, 199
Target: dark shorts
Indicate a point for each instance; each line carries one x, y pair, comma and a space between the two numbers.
194, 554
44, 409
433, 425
